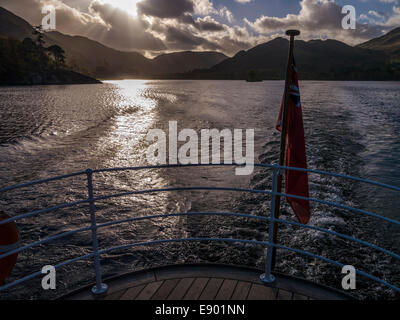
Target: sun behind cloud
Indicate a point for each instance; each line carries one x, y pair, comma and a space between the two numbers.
128, 6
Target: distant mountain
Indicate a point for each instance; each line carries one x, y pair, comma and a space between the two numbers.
185, 61
101, 61
316, 59
96, 59
84, 55
377, 59
389, 43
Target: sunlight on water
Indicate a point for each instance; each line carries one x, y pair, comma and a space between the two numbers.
135, 117
137, 104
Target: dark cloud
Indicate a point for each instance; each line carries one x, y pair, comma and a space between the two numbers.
124, 31
181, 38
187, 19
208, 24
203, 24
165, 8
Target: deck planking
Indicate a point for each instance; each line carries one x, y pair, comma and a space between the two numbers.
208, 282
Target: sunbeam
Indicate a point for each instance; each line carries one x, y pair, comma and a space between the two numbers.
127, 5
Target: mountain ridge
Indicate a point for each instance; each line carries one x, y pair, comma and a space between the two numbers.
317, 60
376, 59
96, 59
390, 43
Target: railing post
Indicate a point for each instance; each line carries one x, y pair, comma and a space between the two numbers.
267, 277
100, 288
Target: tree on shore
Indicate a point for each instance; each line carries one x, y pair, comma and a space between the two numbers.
29, 62
38, 32
58, 54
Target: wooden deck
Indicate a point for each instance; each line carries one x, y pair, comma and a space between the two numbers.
207, 282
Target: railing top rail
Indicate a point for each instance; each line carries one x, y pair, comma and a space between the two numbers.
178, 214
34, 182
200, 188
257, 165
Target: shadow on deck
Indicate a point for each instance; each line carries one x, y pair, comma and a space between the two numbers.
207, 282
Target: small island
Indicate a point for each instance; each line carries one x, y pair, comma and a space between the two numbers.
29, 62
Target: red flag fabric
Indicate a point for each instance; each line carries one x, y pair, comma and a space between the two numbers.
296, 182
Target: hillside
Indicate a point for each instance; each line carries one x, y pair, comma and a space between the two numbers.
93, 58
83, 54
12, 26
390, 43
26, 63
101, 61
316, 59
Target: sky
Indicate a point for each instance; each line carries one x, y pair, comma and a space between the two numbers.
152, 27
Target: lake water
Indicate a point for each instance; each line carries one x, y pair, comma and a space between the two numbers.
351, 128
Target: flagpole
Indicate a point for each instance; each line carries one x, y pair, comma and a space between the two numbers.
292, 34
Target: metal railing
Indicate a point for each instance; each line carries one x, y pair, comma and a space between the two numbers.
101, 288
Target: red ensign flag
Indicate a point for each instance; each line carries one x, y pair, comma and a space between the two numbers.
296, 182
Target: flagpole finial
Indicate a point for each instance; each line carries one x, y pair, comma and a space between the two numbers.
292, 33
